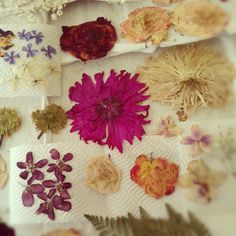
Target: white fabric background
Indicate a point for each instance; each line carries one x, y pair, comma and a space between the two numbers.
220, 224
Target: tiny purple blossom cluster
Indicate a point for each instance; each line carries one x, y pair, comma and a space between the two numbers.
53, 192
31, 35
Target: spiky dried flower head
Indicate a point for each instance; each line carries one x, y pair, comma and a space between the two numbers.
53, 118
189, 77
9, 122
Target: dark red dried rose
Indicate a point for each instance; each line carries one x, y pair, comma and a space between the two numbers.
5, 230
90, 40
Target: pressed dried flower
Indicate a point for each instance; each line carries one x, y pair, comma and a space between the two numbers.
103, 176
53, 118
146, 24
109, 111
9, 123
201, 182
32, 168
199, 18
90, 40
167, 127
158, 177
6, 230
189, 77
3, 173
63, 232
198, 141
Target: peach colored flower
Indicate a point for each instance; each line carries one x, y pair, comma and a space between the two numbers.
62, 232
199, 141
146, 24
157, 177
167, 127
103, 176
199, 18
201, 182
3, 173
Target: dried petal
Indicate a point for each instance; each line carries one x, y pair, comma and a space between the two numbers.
29, 157
24, 174
41, 163
27, 198
36, 188
49, 183
21, 165
55, 154
67, 157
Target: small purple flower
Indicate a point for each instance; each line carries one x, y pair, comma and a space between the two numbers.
27, 196
30, 167
60, 165
10, 58
49, 51
50, 202
59, 186
198, 140
24, 35
38, 36
30, 52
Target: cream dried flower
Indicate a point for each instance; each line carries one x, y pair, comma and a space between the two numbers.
3, 172
9, 123
62, 232
146, 24
189, 77
103, 176
167, 127
199, 18
201, 182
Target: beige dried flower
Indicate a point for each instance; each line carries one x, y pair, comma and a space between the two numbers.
146, 24
9, 123
103, 176
62, 232
201, 182
199, 18
189, 77
53, 119
3, 173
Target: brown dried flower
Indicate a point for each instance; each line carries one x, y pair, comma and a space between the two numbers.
189, 77
53, 119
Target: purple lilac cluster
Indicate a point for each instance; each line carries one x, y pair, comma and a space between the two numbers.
53, 192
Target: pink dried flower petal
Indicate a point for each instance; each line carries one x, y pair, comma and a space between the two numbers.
51, 192
24, 174
55, 154
36, 188
27, 198
41, 163
49, 183
42, 196
67, 157
29, 157
21, 165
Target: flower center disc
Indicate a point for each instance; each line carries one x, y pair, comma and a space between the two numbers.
109, 108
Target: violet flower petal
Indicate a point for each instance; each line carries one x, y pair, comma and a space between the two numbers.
27, 198
41, 163
38, 175
67, 157
64, 194
49, 183
51, 213
21, 165
188, 140
36, 188
66, 206
67, 185
55, 154
24, 174
52, 167
67, 168
206, 139
29, 157
57, 201
42, 196
60, 177
51, 192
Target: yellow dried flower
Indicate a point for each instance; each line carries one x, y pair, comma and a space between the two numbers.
199, 18
9, 123
189, 77
53, 119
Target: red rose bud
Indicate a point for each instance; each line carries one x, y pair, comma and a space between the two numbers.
90, 40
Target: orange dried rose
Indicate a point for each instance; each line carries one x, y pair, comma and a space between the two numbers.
158, 177
146, 24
